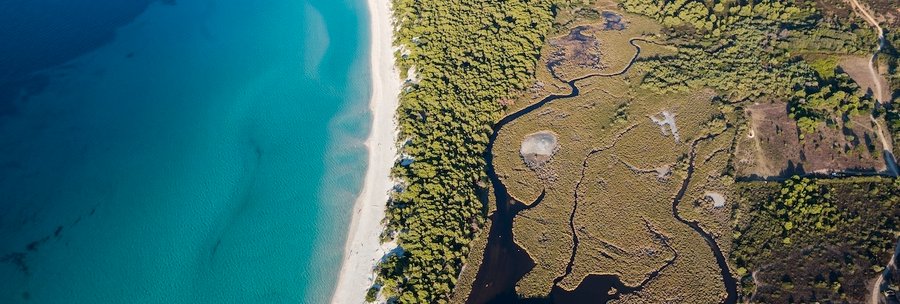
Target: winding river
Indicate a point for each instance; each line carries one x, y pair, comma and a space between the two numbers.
505, 262
730, 282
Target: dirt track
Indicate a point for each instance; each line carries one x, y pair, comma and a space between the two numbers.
891, 163
879, 92
875, 296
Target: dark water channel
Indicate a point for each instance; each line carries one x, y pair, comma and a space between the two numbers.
505, 263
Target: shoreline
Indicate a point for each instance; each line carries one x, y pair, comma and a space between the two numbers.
363, 247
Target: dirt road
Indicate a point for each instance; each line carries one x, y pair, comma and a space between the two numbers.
875, 297
879, 91
878, 94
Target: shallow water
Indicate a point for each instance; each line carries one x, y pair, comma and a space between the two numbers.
195, 151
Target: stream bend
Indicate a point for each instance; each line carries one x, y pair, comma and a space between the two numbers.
504, 262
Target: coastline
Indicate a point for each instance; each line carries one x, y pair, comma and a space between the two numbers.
363, 247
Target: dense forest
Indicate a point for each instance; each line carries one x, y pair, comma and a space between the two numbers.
890, 56
752, 49
467, 55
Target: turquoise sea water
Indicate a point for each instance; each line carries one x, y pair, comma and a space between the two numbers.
189, 151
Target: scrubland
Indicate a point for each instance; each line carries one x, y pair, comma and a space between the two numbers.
618, 198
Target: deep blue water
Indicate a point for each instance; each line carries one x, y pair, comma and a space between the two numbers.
189, 151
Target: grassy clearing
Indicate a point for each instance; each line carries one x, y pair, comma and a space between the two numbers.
857, 67
775, 148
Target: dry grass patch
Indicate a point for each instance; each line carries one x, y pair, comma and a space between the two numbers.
858, 69
773, 148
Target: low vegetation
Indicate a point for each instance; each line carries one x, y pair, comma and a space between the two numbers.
771, 146
808, 240
750, 50
608, 149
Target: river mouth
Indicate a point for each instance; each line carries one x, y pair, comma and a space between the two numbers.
504, 263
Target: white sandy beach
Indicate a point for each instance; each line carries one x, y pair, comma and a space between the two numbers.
363, 248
